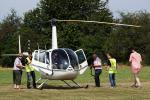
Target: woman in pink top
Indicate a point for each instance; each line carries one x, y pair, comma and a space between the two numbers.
135, 60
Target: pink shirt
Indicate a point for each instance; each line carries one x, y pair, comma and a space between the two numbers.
96, 62
135, 59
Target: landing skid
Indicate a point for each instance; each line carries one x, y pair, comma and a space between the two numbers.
71, 86
76, 84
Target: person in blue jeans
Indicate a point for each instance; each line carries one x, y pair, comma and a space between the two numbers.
112, 70
98, 69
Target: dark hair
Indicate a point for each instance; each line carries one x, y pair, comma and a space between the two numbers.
29, 52
110, 54
134, 48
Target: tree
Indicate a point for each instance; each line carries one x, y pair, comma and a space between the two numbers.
8, 41
122, 39
72, 35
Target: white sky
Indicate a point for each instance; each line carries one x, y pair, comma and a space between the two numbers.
22, 6
128, 6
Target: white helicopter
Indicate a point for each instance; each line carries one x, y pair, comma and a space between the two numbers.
62, 63
59, 63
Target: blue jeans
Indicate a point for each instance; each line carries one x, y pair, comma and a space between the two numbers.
112, 79
31, 79
97, 79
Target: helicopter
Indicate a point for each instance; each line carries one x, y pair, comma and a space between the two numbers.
59, 63
62, 63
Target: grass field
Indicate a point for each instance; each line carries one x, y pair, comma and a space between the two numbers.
123, 91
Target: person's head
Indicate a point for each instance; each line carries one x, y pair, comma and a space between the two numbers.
94, 56
133, 50
20, 55
108, 55
55, 55
30, 54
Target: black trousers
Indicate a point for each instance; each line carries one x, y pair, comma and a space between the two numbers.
17, 74
97, 79
31, 79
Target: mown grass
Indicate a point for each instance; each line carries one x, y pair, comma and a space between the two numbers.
123, 91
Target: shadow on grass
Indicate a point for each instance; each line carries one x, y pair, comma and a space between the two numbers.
62, 87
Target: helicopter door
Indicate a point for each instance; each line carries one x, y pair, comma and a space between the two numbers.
41, 62
82, 61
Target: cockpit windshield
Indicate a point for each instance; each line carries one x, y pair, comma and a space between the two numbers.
59, 59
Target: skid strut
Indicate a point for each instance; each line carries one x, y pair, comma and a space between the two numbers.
41, 85
71, 85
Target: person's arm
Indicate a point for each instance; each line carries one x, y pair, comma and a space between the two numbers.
140, 58
91, 66
108, 63
26, 62
130, 59
19, 66
97, 64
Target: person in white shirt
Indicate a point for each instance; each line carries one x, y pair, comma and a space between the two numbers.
98, 69
17, 72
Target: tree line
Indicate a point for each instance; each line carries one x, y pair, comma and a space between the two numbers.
99, 38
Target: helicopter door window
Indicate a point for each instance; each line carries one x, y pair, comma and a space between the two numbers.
82, 61
59, 59
42, 57
81, 56
47, 58
36, 55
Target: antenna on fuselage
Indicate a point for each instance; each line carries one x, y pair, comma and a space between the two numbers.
38, 46
54, 34
45, 47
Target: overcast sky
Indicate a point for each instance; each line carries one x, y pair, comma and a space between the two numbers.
128, 6
115, 6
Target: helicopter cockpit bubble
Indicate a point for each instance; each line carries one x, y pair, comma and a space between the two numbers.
59, 59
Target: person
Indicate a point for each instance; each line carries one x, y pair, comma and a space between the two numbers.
17, 71
112, 70
55, 60
135, 60
98, 69
30, 71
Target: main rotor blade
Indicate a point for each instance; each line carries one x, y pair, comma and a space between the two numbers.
24, 54
10, 54
97, 22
